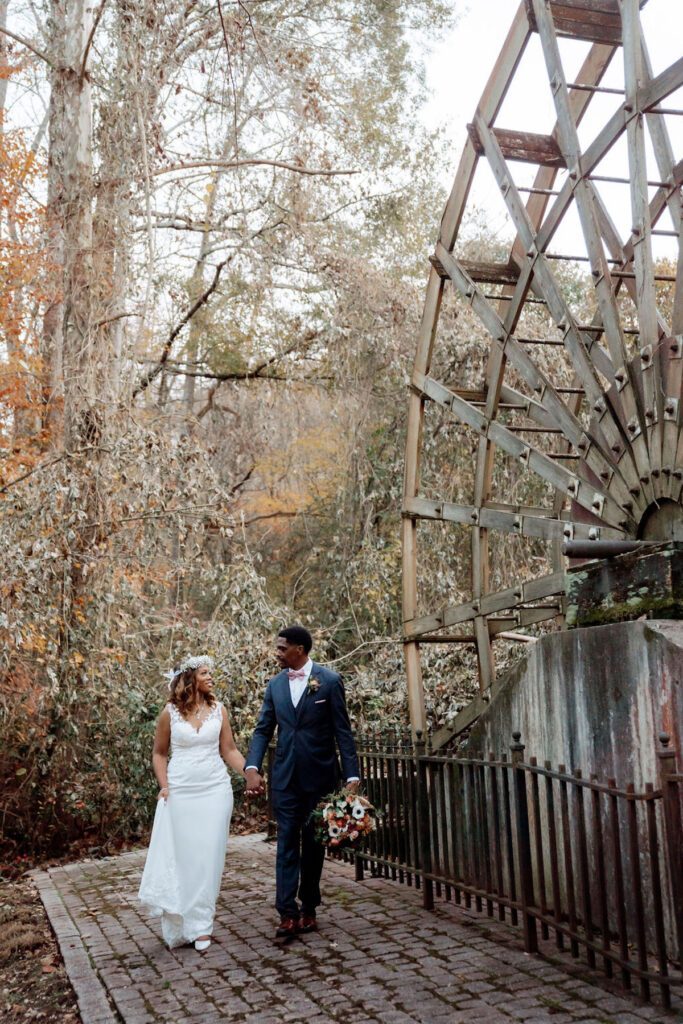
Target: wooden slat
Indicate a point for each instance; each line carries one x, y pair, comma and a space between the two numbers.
598, 8
677, 476
487, 273
591, 22
525, 147
522, 361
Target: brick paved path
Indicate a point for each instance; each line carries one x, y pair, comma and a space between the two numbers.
379, 957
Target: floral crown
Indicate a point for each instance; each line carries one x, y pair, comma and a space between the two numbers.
195, 662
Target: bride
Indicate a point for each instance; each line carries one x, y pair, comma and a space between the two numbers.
186, 853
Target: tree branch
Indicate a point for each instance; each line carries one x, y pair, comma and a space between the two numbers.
240, 483
249, 163
185, 510
197, 304
152, 374
93, 30
46, 465
284, 515
257, 374
29, 46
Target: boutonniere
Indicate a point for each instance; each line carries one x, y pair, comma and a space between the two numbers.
313, 685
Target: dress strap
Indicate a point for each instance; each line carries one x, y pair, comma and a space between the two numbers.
173, 712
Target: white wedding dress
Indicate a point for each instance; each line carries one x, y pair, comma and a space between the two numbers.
186, 855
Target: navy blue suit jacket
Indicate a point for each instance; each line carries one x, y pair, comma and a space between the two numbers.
306, 734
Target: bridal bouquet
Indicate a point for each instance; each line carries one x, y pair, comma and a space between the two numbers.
342, 819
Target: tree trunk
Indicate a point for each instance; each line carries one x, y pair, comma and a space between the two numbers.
71, 338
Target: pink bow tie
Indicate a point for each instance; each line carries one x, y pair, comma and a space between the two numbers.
297, 673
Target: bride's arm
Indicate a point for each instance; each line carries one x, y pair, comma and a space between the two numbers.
162, 740
229, 751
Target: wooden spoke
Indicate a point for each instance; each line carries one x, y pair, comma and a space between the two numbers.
517, 598
603, 463
584, 415
546, 527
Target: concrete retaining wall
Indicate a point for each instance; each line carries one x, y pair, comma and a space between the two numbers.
594, 699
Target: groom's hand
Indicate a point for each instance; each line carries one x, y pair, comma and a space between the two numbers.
352, 787
255, 784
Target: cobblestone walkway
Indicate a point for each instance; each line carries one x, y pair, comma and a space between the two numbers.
379, 957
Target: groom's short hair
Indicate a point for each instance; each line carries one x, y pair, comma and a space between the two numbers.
297, 635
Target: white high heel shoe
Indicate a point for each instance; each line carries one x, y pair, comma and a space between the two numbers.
201, 944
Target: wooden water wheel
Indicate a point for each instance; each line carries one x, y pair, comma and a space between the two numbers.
607, 447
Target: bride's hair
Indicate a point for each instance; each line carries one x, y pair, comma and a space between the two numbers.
184, 691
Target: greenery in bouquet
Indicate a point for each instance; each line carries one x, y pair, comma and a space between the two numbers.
342, 819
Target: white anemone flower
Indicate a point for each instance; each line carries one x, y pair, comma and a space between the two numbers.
334, 830
358, 811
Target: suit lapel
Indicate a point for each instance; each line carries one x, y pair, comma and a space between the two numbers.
284, 697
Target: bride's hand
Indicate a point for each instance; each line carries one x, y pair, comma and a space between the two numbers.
255, 784
163, 794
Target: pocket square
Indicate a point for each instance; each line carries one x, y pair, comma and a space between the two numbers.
323, 701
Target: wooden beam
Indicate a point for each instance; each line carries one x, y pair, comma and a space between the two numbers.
649, 365
595, 21
487, 273
524, 147
547, 526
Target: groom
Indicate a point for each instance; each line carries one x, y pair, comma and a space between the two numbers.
307, 704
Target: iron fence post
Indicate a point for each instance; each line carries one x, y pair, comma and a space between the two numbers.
672, 827
526, 878
423, 839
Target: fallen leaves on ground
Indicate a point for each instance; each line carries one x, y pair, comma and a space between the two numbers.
33, 982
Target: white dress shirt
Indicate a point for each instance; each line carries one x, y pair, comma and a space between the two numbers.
297, 688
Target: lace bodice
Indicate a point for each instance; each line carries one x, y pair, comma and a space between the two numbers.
187, 740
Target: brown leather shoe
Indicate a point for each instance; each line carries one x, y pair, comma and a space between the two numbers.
308, 923
288, 928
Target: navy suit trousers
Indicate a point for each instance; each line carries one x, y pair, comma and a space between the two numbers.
299, 861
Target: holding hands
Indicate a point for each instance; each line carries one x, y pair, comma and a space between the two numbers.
255, 783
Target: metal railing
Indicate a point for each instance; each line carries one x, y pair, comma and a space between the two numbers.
595, 865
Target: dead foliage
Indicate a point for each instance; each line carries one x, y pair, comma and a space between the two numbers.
33, 982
